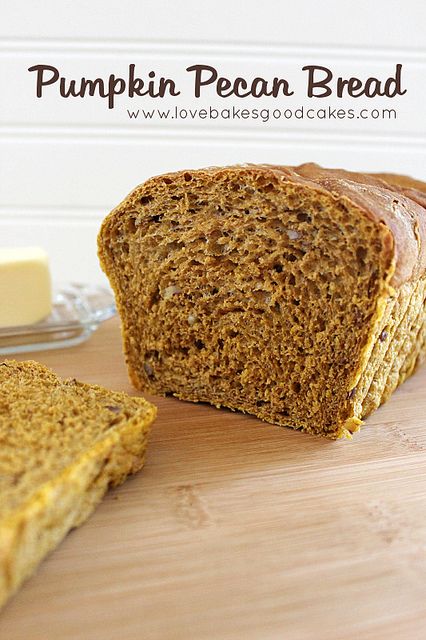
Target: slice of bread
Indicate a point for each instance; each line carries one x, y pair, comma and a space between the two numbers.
296, 294
62, 444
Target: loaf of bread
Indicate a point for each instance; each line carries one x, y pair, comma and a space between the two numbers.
296, 294
62, 444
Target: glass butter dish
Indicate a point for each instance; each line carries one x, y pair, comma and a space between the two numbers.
77, 312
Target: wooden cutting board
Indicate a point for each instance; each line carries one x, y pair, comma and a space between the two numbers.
241, 530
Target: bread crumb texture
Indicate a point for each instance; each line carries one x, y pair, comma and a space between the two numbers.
296, 294
62, 444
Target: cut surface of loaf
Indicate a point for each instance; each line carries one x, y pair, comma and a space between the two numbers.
296, 294
62, 444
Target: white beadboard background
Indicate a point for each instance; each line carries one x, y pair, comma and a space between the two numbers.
65, 163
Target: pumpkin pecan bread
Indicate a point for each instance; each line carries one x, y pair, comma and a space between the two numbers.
62, 444
296, 294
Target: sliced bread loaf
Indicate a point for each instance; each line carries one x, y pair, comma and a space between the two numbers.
296, 294
62, 444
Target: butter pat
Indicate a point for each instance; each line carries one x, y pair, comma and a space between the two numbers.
25, 286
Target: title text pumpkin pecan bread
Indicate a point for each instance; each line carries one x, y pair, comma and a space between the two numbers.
62, 444
296, 294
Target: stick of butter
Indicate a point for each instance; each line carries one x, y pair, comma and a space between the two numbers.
25, 286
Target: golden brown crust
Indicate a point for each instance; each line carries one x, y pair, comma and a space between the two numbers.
413, 189
401, 181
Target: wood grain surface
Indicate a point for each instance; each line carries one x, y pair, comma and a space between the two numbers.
241, 530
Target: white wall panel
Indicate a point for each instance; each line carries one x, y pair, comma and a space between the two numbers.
111, 168
375, 23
